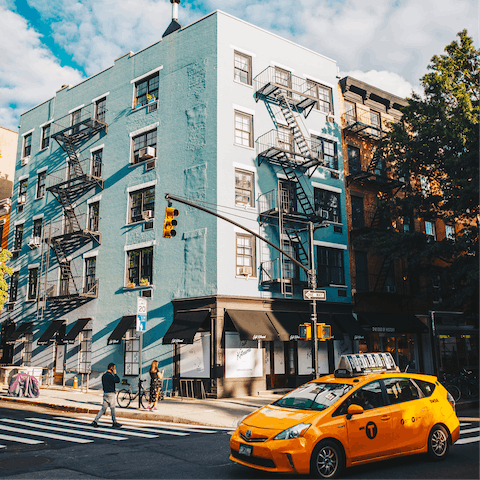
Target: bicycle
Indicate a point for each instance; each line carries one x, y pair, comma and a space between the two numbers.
451, 388
126, 396
467, 383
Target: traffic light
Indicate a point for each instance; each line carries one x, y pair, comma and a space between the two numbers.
170, 222
323, 331
305, 331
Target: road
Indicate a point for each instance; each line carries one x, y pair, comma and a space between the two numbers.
43, 445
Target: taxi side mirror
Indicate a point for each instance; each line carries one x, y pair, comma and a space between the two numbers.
354, 410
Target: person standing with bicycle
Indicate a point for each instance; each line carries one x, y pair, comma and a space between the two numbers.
155, 386
109, 379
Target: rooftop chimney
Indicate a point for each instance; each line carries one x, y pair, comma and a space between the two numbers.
174, 25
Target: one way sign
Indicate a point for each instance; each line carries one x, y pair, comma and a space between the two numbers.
314, 294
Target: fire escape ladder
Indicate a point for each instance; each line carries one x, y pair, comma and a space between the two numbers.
72, 223
295, 239
378, 215
382, 276
69, 146
67, 282
286, 284
302, 197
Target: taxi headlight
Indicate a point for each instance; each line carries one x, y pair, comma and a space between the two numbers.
293, 432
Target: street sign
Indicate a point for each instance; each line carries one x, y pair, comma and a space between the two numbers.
314, 294
141, 314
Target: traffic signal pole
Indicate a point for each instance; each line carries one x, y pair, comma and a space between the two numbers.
313, 285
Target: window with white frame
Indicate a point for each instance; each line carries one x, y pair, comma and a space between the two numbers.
285, 138
327, 149
27, 145
242, 68
85, 353
330, 266
97, 163
37, 227
283, 77
243, 129
22, 191
101, 109
93, 216
450, 232
244, 188
17, 245
375, 122
41, 181
327, 205
140, 265
350, 113
75, 119
132, 349
245, 252
46, 136
146, 90
142, 203
12, 297
140, 142
430, 230
90, 273
27, 349
324, 95
32, 283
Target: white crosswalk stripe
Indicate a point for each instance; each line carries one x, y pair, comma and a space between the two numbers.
54, 436
463, 441
11, 438
465, 431
470, 430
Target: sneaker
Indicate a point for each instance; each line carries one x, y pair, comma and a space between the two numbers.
149, 407
116, 425
153, 409
94, 424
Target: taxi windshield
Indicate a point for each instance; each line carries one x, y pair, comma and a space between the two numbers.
314, 396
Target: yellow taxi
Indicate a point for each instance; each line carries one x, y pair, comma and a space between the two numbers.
366, 411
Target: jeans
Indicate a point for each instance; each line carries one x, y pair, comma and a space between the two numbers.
109, 400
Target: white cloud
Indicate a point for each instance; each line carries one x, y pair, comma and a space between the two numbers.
29, 73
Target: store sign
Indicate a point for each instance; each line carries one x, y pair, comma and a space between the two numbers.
383, 329
363, 363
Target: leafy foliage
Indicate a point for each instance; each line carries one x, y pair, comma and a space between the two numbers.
4, 270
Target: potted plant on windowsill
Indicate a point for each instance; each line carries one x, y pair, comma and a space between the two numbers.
150, 98
144, 282
131, 285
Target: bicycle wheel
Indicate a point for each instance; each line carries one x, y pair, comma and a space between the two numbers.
145, 399
454, 392
124, 397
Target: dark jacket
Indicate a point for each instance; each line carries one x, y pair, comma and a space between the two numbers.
109, 380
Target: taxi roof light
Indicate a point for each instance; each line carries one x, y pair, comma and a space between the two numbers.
353, 365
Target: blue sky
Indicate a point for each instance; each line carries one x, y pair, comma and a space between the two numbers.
387, 43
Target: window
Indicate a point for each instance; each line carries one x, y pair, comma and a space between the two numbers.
283, 77
148, 139
75, 119
245, 252
18, 237
361, 267
97, 163
101, 109
288, 196
324, 95
390, 286
46, 136
426, 387
330, 266
354, 163
32, 283
37, 227
244, 188
90, 273
350, 113
358, 212
27, 145
132, 347
450, 232
242, 68
407, 224
13, 287
140, 265
285, 138
430, 230
142, 201
85, 354
368, 397
41, 180
326, 149
147, 90
27, 349
327, 205
436, 288
290, 269
243, 129
22, 191
65, 273
376, 124
93, 216
400, 390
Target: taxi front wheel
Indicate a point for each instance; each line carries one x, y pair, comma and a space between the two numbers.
327, 460
438, 443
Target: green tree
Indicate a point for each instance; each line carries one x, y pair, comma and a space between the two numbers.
4, 270
435, 150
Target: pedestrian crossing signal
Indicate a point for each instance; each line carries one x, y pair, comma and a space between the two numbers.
305, 331
324, 332
170, 222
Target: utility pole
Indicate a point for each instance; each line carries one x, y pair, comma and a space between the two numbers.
312, 278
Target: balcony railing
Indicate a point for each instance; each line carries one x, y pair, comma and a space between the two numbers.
84, 224
80, 123
364, 124
268, 203
91, 168
65, 290
271, 272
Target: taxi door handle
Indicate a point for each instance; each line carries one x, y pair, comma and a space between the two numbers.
385, 418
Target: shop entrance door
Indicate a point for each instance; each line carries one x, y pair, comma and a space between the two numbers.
276, 371
58, 369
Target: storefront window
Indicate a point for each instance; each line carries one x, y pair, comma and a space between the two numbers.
457, 352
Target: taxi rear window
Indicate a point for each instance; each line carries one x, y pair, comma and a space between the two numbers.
314, 396
427, 388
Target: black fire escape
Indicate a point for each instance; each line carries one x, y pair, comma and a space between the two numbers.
71, 132
291, 149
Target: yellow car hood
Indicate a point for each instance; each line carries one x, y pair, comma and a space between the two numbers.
279, 418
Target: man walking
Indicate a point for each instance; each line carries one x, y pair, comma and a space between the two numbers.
109, 379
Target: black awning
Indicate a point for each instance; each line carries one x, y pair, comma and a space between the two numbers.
120, 330
286, 324
253, 325
76, 328
184, 327
326, 318
391, 322
349, 325
23, 329
57, 326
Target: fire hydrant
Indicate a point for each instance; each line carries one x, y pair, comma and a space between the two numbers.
75, 382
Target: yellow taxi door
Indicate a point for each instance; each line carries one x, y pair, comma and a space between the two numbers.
369, 433
410, 414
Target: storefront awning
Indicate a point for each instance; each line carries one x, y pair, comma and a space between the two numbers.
57, 326
184, 327
253, 325
347, 322
23, 329
76, 328
391, 323
286, 324
121, 329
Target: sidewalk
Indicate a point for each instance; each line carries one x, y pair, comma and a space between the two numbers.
223, 412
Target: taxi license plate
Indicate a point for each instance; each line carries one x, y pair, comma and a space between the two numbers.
245, 450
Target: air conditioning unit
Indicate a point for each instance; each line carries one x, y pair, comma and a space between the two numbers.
147, 214
25, 161
146, 153
21, 199
245, 271
34, 242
